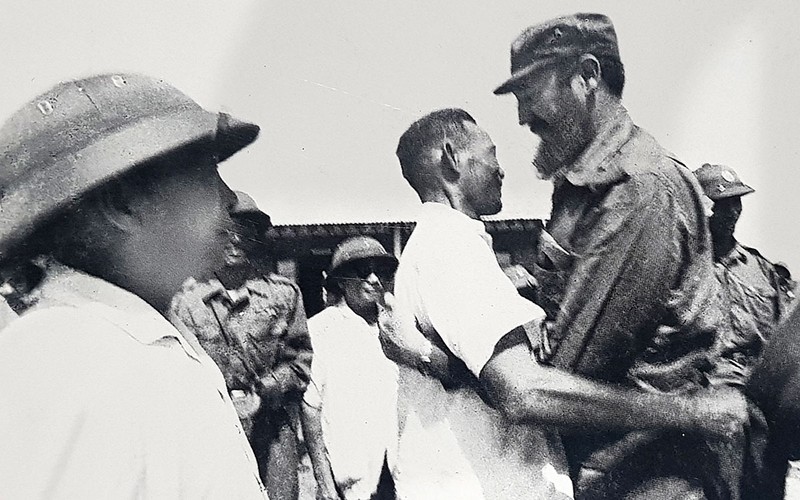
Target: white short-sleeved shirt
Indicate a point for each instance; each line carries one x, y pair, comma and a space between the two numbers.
355, 387
452, 444
101, 397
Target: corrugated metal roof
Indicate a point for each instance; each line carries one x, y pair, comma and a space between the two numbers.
348, 228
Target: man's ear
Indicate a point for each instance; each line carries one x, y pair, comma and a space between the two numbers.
450, 161
590, 72
116, 203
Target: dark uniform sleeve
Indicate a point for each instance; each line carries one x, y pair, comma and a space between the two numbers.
619, 285
785, 286
292, 370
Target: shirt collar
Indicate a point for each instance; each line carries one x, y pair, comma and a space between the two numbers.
349, 314
446, 215
737, 255
594, 166
66, 286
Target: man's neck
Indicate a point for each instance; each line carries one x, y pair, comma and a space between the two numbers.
368, 314
453, 200
611, 127
723, 246
233, 277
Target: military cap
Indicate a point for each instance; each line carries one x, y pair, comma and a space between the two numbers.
246, 208
562, 37
82, 133
720, 181
358, 248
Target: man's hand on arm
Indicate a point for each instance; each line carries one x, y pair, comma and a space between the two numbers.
527, 391
414, 350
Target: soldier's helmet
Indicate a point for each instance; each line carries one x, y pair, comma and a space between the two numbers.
247, 208
721, 181
83, 133
359, 248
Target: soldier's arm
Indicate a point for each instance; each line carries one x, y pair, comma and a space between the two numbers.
311, 421
292, 372
526, 391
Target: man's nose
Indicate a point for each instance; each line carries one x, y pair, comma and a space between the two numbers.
373, 279
226, 194
522, 114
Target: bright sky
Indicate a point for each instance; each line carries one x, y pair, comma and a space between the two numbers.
334, 84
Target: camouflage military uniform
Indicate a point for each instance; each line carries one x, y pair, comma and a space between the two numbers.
257, 335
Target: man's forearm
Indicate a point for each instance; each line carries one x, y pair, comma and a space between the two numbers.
311, 420
526, 391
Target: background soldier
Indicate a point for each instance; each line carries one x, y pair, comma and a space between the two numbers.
350, 410
756, 292
253, 324
757, 295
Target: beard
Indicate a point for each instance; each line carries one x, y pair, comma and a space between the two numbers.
550, 158
562, 144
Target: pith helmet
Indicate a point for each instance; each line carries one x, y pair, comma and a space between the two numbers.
247, 208
81, 134
720, 181
358, 248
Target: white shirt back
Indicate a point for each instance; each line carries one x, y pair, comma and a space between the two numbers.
452, 443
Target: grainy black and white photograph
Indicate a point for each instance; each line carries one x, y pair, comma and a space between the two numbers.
399, 250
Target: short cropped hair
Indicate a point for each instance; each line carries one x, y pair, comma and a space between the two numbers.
427, 134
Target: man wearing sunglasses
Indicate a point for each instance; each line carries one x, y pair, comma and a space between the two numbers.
350, 410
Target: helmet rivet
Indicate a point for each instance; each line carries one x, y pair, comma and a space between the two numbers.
118, 81
46, 107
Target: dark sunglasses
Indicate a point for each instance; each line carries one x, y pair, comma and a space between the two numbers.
363, 269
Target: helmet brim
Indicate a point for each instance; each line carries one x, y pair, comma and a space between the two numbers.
69, 177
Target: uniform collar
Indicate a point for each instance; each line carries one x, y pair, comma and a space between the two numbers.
594, 167
738, 254
65, 286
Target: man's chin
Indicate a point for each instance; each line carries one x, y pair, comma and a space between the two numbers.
550, 160
493, 210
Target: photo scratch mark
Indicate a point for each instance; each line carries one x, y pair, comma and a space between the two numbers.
328, 87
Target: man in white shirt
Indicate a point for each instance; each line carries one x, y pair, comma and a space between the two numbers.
473, 442
350, 410
110, 183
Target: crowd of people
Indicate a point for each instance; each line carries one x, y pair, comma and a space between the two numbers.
149, 352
